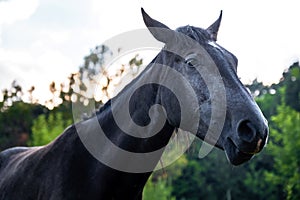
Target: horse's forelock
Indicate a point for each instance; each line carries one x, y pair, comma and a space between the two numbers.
198, 34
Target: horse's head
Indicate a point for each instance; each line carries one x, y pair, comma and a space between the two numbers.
229, 118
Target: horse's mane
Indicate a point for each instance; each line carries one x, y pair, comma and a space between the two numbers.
103, 107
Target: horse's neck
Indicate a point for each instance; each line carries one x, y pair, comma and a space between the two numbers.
135, 116
108, 139
132, 120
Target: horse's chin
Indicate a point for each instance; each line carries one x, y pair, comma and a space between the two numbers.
234, 155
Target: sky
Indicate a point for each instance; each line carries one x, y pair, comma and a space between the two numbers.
45, 40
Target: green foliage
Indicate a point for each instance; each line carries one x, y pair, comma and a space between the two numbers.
174, 170
45, 129
254, 184
274, 94
207, 178
159, 190
188, 185
292, 94
16, 122
286, 152
268, 104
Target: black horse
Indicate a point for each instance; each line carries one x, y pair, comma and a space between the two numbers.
67, 168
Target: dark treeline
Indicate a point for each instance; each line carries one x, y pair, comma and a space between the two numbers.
273, 174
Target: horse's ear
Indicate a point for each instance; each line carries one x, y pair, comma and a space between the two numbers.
214, 28
160, 31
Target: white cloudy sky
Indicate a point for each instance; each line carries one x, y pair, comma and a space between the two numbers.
45, 40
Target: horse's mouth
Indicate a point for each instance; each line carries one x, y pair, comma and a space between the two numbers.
234, 154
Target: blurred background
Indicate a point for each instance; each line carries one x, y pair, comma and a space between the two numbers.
51, 55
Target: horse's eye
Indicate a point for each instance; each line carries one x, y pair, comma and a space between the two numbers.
192, 62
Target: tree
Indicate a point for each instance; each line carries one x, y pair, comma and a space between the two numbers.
269, 97
16, 122
157, 190
47, 128
11, 95
292, 79
254, 185
286, 152
258, 88
209, 178
94, 81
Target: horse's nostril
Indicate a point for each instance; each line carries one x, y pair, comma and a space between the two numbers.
246, 131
